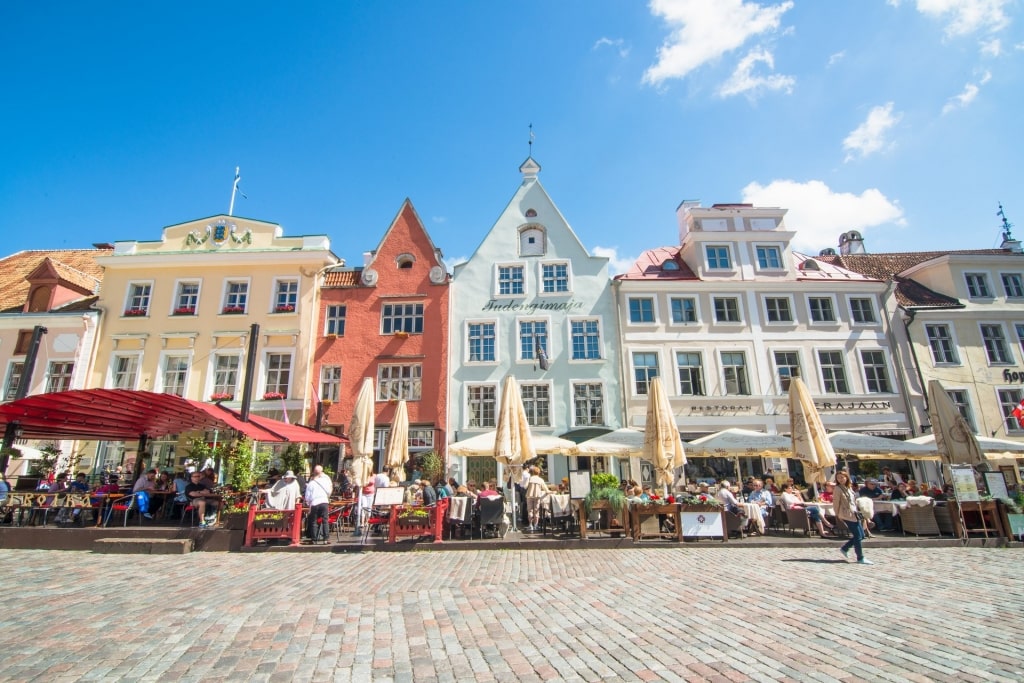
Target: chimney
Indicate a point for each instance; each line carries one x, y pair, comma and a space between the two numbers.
851, 242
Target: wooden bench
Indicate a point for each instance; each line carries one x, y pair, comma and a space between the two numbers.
143, 546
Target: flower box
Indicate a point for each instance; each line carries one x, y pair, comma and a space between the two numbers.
273, 396
402, 335
233, 310
234, 521
278, 522
135, 312
184, 311
285, 308
327, 403
222, 397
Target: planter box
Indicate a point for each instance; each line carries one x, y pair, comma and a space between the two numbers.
646, 521
703, 521
234, 521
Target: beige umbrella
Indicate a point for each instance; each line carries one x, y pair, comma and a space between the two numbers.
810, 441
953, 436
871, 447
992, 448
662, 445
360, 434
398, 443
483, 444
740, 443
513, 444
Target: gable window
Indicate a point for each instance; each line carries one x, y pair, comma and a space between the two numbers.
124, 371
833, 374
138, 299
734, 372
15, 370
645, 368
236, 296
995, 344
876, 374
537, 403
861, 310
225, 374
480, 342
510, 280
787, 366
532, 241
186, 299
959, 399
402, 318
1013, 285
778, 310
586, 339
1008, 400
334, 319
940, 341
691, 373
481, 406
279, 373
977, 285
588, 404
684, 310
641, 310
727, 310
718, 257
175, 375
769, 258
822, 310
533, 338
330, 382
286, 296
555, 278
396, 382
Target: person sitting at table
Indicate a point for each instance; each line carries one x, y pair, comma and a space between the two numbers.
900, 492
792, 500
536, 489
769, 485
826, 493
143, 485
634, 495
911, 487
726, 497
201, 498
490, 490
464, 491
866, 498
428, 491
209, 478
284, 493
762, 497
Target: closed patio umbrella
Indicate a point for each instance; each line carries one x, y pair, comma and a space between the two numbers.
953, 436
398, 443
361, 435
662, 445
513, 444
810, 441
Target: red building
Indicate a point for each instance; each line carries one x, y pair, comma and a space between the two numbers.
388, 320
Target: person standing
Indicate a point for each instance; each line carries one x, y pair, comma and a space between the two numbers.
844, 502
536, 490
283, 494
318, 498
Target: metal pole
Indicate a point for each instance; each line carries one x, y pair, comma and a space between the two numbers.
250, 368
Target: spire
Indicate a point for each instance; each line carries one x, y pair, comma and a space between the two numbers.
1008, 241
530, 168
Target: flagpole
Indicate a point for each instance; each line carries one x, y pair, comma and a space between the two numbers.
234, 189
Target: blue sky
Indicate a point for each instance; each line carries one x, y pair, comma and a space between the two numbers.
900, 119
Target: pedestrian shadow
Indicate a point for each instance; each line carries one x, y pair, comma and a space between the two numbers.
818, 561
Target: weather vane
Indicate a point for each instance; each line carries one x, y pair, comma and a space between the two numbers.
1006, 224
531, 140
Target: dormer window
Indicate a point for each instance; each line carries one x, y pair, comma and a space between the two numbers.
532, 241
669, 265
810, 264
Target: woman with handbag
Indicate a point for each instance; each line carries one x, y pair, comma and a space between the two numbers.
844, 502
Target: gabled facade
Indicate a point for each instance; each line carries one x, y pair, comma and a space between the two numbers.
533, 303
389, 321
179, 313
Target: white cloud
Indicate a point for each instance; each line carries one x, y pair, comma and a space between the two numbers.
869, 137
703, 31
964, 17
616, 264
836, 58
819, 215
992, 48
619, 44
743, 79
968, 94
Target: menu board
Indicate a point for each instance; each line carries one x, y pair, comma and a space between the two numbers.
996, 484
579, 484
964, 483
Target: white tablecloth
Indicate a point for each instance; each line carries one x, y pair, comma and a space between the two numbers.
752, 511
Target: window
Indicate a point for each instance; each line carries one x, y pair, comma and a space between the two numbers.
138, 299
734, 372
833, 374
510, 280
959, 399
537, 403
1019, 329
236, 296
533, 336
286, 296
532, 241
718, 257
1013, 285
641, 310
1008, 400
769, 257
330, 382
399, 381
421, 438
14, 372
402, 318
645, 368
175, 375
279, 373
334, 319
225, 374
778, 310
787, 366
586, 339
24, 342
995, 344
186, 299
977, 285
941, 343
481, 406
683, 310
554, 277
588, 404
480, 342
822, 310
691, 373
124, 371
727, 310
861, 310
876, 374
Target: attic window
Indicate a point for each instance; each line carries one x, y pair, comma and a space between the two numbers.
669, 264
405, 260
532, 240
810, 264
531, 213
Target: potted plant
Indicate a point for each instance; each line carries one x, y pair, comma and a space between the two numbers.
284, 308
221, 396
414, 517
233, 310
185, 310
699, 502
235, 514
273, 396
1015, 513
134, 312
605, 494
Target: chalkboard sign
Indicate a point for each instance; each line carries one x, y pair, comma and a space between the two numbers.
579, 484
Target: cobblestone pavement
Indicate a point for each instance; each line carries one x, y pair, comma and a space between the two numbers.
645, 614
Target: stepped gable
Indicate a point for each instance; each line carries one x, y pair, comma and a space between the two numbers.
651, 266
73, 269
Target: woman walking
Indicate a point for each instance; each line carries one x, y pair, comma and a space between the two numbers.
844, 502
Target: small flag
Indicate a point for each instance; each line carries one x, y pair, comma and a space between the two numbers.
542, 357
284, 409
1018, 413
238, 179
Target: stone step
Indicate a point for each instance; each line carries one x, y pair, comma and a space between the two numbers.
143, 546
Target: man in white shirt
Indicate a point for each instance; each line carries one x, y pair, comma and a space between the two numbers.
318, 498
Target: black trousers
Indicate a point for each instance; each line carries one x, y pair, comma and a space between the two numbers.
317, 511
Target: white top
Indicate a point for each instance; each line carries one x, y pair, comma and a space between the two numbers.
318, 490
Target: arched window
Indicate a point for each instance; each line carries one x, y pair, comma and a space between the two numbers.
532, 240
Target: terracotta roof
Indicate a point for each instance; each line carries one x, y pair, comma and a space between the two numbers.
74, 267
342, 278
649, 266
909, 293
815, 268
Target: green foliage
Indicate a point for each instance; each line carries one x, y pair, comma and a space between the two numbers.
615, 498
244, 464
51, 454
431, 465
293, 459
868, 468
603, 480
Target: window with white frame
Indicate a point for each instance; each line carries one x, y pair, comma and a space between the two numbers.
769, 258
1008, 400
481, 400
977, 285
554, 278
406, 317
994, 339
533, 338
718, 257
833, 372
641, 310
536, 403
510, 280
421, 439
286, 296
124, 371
1019, 329
15, 371
645, 368
330, 382
727, 309
862, 312
962, 403
734, 373
236, 296
186, 299
399, 381
778, 309
334, 319
690, 369
175, 374
822, 309
1013, 285
58, 376
876, 372
278, 373
588, 403
586, 339
137, 303
684, 309
480, 342
787, 366
940, 341
225, 373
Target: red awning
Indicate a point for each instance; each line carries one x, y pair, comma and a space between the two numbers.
272, 430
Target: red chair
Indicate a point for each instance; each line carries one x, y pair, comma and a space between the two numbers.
125, 508
190, 511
